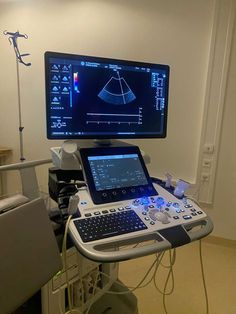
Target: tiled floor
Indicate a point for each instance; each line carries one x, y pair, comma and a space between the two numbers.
188, 296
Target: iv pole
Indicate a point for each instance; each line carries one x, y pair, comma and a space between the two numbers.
12, 37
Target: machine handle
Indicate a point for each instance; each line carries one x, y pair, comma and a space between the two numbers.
207, 227
109, 252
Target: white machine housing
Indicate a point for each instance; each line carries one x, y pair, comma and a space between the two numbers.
170, 222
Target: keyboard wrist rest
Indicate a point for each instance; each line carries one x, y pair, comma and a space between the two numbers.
108, 250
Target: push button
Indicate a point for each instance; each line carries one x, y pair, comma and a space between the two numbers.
175, 205
160, 201
186, 217
104, 196
105, 211
188, 206
136, 202
115, 195
122, 208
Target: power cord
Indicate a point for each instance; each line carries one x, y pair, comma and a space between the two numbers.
94, 290
201, 263
157, 262
138, 286
172, 259
203, 277
170, 273
64, 255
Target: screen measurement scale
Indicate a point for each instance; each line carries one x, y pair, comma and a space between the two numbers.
115, 118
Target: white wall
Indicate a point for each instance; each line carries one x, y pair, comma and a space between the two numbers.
223, 212
153, 31
177, 33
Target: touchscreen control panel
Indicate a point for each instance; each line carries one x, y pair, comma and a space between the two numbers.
116, 173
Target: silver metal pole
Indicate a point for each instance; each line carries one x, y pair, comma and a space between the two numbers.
21, 128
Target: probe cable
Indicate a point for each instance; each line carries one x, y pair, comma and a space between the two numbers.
172, 258
64, 255
139, 285
201, 263
203, 277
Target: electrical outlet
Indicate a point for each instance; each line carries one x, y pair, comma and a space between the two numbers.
209, 148
207, 162
205, 176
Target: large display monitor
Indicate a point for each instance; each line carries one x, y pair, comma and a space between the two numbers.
101, 98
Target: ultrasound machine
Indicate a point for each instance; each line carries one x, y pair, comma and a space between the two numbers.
94, 103
109, 204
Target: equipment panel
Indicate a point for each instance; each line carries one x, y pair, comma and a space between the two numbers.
163, 218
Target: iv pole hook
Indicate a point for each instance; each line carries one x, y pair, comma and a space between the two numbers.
13, 41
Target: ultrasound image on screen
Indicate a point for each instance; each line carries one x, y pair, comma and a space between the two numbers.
97, 97
116, 171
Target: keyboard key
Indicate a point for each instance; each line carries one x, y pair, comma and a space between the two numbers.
105, 211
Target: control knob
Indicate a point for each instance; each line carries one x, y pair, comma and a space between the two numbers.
160, 201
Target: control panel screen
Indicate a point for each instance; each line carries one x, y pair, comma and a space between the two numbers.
116, 171
94, 97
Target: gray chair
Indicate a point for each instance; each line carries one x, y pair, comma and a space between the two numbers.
29, 254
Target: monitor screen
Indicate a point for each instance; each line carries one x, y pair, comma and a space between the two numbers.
96, 98
107, 174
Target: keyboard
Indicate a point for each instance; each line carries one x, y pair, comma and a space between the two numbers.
108, 225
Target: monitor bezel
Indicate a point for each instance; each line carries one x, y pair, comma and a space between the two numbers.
51, 54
